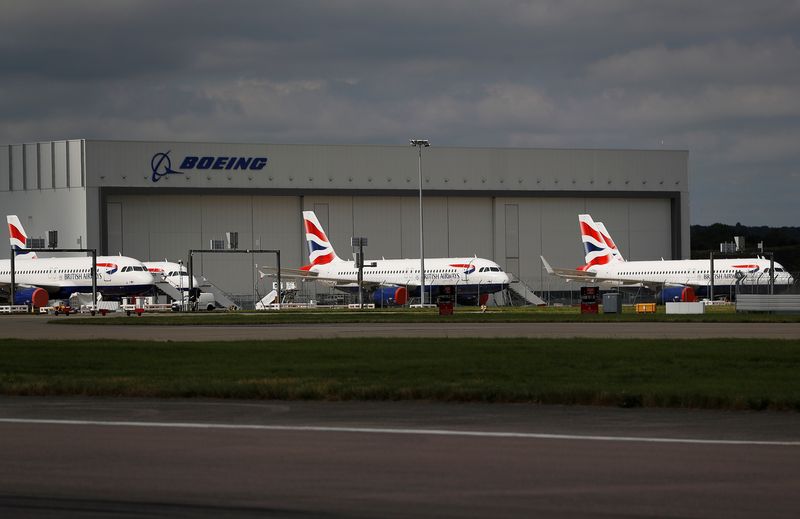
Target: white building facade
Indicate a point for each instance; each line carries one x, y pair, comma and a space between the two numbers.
156, 200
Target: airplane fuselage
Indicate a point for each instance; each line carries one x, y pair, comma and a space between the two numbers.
173, 273
60, 277
749, 271
464, 273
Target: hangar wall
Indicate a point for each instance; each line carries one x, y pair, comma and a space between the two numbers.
514, 231
154, 200
44, 184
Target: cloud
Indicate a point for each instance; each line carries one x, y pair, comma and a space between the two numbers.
719, 62
721, 81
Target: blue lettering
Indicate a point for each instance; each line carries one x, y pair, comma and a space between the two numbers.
188, 162
205, 162
242, 163
259, 163
219, 163
212, 162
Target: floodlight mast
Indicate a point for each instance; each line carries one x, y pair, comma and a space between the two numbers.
421, 143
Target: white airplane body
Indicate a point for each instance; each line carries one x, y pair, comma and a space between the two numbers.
605, 264
176, 275
471, 280
173, 273
39, 279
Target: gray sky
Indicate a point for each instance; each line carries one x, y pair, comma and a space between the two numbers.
721, 79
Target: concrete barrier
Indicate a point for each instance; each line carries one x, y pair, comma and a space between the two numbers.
686, 308
768, 303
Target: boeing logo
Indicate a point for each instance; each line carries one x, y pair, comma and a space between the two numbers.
162, 165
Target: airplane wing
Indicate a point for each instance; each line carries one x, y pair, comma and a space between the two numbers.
291, 273
585, 275
307, 275
569, 273
5, 287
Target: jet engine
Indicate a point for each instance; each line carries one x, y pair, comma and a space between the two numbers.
38, 297
390, 296
677, 294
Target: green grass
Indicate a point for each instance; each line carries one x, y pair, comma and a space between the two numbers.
462, 314
724, 373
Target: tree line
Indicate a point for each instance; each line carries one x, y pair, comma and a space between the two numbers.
783, 241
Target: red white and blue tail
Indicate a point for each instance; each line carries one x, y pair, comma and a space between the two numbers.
18, 238
320, 249
600, 248
607, 239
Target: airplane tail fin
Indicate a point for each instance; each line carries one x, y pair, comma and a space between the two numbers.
18, 238
320, 249
607, 238
600, 248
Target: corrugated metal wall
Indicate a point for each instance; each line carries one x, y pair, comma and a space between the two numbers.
515, 232
511, 205
43, 184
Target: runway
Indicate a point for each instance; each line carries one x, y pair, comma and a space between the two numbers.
36, 327
78, 457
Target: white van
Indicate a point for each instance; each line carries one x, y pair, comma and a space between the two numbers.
205, 301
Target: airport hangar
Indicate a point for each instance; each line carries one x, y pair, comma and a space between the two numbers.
156, 200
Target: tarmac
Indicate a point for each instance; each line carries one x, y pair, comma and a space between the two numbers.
96, 457
85, 457
37, 327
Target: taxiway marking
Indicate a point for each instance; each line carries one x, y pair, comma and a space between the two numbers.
394, 430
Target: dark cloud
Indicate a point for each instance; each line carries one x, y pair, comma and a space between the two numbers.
719, 79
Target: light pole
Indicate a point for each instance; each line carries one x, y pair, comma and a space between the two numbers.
184, 297
421, 143
359, 243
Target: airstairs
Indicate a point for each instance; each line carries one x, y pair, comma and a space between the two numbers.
525, 293
169, 290
222, 298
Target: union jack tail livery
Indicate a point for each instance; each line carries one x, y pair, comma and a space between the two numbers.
18, 238
320, 249
600, 248
672, 280
607, 238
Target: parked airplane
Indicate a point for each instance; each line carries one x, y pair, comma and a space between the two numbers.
173, 273
676, 279
176, 275
393, 281
39, 279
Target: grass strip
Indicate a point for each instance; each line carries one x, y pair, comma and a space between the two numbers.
464, 314
724, 373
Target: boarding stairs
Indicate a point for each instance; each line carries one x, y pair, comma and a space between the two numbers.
525, 293
169, 290
222, 298
287, 296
